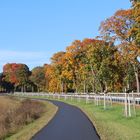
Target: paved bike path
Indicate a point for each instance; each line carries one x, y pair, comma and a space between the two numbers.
70, 123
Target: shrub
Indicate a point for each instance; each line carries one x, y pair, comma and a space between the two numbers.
13, 117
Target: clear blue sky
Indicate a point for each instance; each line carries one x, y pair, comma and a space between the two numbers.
32, 30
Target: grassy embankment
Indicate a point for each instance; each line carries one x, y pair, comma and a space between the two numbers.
20, 119
110, 124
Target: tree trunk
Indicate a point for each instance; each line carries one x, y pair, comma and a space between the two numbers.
93, 85
128, 84
137, 78
94, 76
62, 87
38, 89
137, 81
84, 86
22, 89
32, 88
75, 85
106, 87
100, 82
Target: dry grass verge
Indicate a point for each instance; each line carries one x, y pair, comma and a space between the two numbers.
21, 119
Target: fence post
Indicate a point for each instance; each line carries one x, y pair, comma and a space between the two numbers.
133, 98
79, 98
126, 109
111, 100
129, 106
87, 99
65, 97
104, 101
71, 98
58, 96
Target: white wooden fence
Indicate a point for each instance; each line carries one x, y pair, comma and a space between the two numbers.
106, 100
111, 97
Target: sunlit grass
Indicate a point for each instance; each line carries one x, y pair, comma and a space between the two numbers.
110, 123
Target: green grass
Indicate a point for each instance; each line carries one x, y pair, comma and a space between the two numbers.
28, 131
110, 124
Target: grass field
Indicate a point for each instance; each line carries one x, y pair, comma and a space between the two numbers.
110, 124
15, 120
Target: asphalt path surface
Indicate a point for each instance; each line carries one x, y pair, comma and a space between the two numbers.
69, 123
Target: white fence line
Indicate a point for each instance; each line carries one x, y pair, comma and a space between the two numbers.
112, 97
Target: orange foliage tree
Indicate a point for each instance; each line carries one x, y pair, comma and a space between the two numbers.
119, 27
17, 74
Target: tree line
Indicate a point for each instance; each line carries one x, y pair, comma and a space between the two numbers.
109, 62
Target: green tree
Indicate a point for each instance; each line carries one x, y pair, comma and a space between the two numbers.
38, 78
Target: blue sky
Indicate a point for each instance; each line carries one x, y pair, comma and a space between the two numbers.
31, 31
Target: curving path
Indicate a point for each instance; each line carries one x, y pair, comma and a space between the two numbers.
69, 124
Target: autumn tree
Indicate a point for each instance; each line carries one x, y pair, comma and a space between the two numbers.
52, 81
118, 28
16, 74
100, 57
57, 63
75, 65
1, 82
136, 16
38, 78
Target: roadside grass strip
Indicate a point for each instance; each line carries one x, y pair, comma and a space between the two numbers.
110, 124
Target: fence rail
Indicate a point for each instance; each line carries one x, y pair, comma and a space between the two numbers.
112, 97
